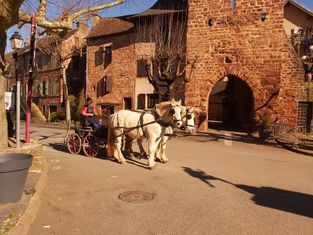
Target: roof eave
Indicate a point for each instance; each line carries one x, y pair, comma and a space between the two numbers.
300, 6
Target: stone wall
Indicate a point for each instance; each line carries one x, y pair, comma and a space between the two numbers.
122, 69
241, 44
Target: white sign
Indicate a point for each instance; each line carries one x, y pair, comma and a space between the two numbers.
9, 101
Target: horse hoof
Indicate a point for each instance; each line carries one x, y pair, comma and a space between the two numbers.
152, 167
165, 161
123, 162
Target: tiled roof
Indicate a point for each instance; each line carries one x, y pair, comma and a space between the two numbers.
151, 12
110, 26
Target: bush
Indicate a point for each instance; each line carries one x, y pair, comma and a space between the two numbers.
57, 116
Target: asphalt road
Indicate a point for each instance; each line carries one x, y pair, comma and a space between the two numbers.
218, 183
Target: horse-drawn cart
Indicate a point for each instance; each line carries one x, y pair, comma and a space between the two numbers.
86, 139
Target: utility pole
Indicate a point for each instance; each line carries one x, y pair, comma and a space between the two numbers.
32, 61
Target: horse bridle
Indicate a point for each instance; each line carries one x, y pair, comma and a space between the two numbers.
188, 116
172, 112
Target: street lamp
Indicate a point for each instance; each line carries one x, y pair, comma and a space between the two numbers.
16, 44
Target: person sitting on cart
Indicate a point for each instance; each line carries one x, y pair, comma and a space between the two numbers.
89, 113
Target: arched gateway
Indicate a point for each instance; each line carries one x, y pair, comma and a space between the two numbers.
231, 104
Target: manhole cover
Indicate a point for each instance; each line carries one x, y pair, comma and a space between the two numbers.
136, 196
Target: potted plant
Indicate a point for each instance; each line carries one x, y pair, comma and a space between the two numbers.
265, 128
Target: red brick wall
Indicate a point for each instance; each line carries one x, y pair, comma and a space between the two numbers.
257, 49
122, 69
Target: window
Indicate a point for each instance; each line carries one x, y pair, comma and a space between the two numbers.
53, 87
127, 103
53, 108
141, 68
45, 61
305, 116
108, 56
38, 91
107, 110
99, 57
39, 62
53, 62
152, 100
141, 101
45, 88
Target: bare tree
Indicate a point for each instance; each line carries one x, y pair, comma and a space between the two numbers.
166, 61
11, 13
302, 40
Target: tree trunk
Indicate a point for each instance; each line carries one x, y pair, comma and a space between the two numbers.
67, 102
3, 118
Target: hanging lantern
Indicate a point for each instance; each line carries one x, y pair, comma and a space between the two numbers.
16, 41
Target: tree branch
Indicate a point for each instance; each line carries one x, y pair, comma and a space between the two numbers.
93, 9
64, 23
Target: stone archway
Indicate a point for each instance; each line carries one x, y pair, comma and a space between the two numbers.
231, 104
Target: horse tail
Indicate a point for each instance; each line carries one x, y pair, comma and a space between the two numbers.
110, 140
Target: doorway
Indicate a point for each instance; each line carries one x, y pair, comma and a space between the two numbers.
231, 105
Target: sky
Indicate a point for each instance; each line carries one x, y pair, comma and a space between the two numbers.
128, 8
307, 3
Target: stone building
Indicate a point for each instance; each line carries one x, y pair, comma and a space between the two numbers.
243, 44
247, 71
48, 84
116, 74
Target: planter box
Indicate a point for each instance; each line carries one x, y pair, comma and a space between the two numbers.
13, 172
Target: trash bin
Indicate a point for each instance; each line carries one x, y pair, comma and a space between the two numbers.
13, 172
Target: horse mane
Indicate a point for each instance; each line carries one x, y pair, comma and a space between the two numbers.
162, 107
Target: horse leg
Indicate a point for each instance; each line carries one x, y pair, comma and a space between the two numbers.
141, 149
164, 159
160, 154
118, 150
159, 151
152, 147
129, 146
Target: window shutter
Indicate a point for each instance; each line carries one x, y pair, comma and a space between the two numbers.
41, 88
47, 88
99, 57
108, 86
141, 101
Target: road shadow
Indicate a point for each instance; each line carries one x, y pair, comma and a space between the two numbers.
275, 198
242, 137
59, 147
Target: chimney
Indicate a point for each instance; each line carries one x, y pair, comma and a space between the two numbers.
95, 19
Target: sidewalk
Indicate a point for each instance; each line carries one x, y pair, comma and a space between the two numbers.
52, 125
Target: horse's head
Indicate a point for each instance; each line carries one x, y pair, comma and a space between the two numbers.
188, 117
175, 112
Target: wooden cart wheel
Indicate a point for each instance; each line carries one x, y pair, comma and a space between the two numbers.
74, 143
90, 145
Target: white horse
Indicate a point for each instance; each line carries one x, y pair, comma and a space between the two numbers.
149, 125
188, 118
